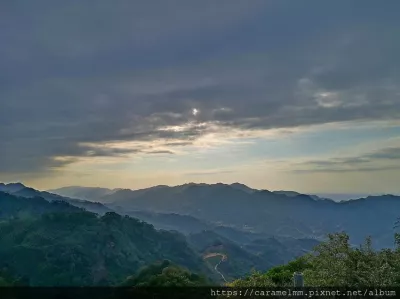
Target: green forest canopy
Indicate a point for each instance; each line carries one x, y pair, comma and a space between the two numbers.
335, 263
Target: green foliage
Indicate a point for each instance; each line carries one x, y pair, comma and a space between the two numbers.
277, 276
82, 249
8, 280
283, 275
5, 281
335, 263
256, 279
165, 274
239, 261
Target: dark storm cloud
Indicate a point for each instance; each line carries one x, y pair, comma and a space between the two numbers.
356, 164
92, 72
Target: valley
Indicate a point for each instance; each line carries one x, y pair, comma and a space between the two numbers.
184, 224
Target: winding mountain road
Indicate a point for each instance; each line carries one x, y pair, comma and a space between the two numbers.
223, 258
216, 269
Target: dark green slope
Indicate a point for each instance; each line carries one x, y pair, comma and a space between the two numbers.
58, 244
241, 258
165, 274
238, 261
336, 263
12, 206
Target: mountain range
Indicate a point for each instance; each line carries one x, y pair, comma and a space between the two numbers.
225, 230
273, 213
200, 241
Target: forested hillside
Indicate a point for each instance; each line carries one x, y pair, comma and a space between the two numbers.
165, 274
335, 263
243, 250
56, 244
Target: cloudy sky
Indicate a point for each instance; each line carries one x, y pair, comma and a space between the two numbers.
299, 95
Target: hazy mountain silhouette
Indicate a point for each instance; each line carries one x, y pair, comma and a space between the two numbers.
280, 213
88, 193
11, 188
19, 189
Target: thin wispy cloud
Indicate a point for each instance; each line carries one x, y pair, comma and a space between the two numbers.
380, 160
208, 173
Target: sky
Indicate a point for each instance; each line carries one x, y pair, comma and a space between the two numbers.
278, 95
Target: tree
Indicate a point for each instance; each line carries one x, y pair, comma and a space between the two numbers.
165, 274
335, 263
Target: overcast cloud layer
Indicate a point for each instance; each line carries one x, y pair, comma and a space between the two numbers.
81, 78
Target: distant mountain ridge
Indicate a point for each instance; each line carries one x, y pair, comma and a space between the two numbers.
11, 187
280, 213
18, 189
105, 194
87, 193
275, 213
97, 193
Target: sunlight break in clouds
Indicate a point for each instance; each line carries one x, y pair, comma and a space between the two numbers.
195, 111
